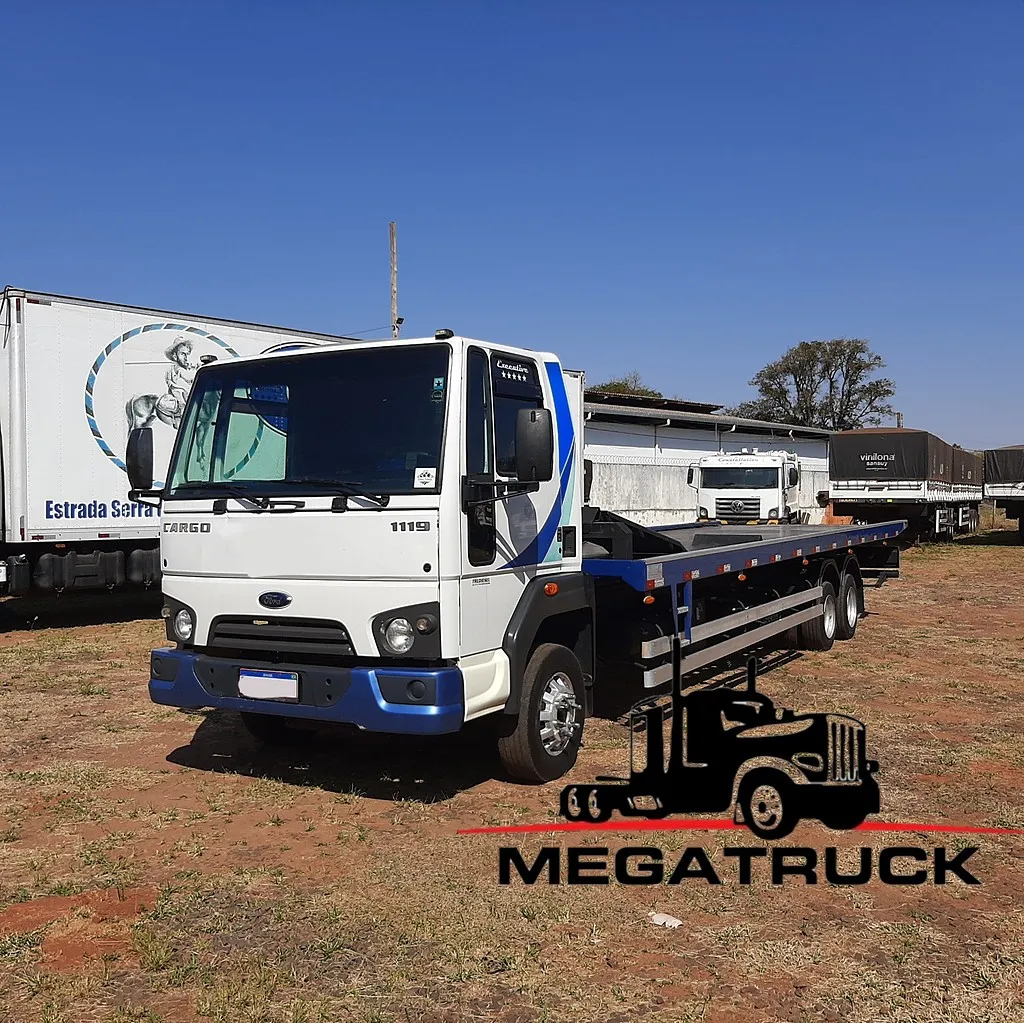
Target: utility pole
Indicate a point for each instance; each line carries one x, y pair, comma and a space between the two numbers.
395, 321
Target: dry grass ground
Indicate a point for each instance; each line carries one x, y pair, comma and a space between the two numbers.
157, 865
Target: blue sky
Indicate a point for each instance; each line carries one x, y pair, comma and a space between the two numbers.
681, 188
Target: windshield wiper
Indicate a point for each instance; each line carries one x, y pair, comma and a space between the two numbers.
229, 488
346, 489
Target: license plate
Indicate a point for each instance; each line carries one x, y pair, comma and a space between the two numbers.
268, 685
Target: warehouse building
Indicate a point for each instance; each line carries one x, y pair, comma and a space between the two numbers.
641, 447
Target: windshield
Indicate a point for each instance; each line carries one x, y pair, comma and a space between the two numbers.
739, 478
368, 418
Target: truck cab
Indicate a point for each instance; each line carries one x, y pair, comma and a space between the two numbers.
749, 487
377, 534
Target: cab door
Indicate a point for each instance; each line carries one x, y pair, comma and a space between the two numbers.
509, 540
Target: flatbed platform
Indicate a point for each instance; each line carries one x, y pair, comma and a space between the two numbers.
703, 550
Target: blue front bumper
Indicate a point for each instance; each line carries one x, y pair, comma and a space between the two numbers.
175, 683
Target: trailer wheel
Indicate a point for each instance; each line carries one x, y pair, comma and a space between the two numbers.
848, 607
820, 632
271, 729
766, 799
545, 740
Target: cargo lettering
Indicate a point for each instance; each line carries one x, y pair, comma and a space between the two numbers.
99, 510
186, 527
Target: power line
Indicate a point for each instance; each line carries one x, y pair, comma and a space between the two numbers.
371, 330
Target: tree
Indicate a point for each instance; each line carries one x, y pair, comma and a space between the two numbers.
629, 384
827, 384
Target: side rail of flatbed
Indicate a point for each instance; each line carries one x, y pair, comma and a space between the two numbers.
767, 584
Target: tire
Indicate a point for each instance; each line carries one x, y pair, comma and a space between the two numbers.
767, 800
848, 607
271, 729
552, 693
820, 632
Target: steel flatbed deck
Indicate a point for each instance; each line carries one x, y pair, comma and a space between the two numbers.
708, 550
711, 555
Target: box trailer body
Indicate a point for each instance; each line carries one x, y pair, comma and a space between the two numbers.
411, 547
75, 376
877, 473
1004, 481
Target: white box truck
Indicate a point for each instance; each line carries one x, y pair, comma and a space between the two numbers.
77, 375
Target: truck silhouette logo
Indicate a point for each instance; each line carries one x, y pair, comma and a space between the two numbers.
733, 748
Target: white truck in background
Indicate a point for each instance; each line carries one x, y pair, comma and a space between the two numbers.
75, 376
750, 487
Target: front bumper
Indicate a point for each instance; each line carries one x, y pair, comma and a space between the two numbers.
376, 699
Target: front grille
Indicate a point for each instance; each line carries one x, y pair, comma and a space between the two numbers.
737, 508
285, 636
845, 740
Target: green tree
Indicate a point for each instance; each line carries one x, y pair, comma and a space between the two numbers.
629, 384
827, 384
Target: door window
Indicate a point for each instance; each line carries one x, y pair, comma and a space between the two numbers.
516, 386
481, 541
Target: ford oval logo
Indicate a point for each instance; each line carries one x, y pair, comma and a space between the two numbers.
275, 600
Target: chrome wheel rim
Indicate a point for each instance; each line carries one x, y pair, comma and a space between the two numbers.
766, 807
851, 607
558, 714
829, 616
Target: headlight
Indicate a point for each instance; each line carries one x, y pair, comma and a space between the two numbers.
183, 625
399, 635
703, 512
773, 513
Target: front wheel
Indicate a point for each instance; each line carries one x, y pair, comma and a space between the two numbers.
548, 731
767, 802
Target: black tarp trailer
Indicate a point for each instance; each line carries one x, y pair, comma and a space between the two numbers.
880, 474
1004, 481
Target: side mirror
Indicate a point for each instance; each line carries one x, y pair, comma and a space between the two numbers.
138, 458
588, 479
535, 445
794, 476
689, 475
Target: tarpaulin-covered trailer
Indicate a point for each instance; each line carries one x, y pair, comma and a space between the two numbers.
877, 473
1004, 481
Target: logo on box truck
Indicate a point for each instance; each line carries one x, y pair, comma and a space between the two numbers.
156, 373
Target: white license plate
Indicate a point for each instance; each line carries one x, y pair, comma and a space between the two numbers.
268, 685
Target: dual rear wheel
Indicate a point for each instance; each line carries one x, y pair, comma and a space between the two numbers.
840, 613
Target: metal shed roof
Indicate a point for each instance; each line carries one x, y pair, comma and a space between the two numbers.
701, 420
